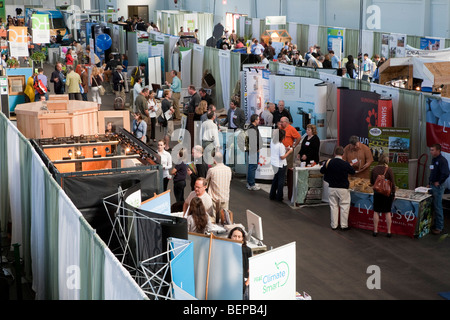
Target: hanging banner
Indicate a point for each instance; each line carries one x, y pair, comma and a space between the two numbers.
40, 28
336, 40
18, 41
393, 45
358, 111
427, 43
273, 275
255, 91
395, 142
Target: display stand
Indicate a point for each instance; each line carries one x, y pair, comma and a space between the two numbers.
308, 186
411, 213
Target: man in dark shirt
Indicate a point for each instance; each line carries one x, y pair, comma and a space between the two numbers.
439, 172
195, 99
253, 145
205, 96
281, 112
336, 173
58, 79
199, 167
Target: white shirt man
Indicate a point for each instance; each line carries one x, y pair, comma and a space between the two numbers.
209, 130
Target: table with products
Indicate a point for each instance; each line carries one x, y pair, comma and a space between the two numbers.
411, 210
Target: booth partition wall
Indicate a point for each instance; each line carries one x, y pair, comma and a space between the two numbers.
62, 253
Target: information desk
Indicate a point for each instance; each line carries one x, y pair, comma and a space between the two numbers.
307, 185
411, 213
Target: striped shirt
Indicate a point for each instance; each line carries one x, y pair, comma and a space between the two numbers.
219, 179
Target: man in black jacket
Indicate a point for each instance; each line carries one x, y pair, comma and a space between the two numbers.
253, 146
281, 112
58, 79
336, 173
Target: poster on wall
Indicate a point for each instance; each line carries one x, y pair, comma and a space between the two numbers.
397, 45
305, 99
395, 142
358, 111
428, 43
273, 274
336, 40
40, 28
18, 41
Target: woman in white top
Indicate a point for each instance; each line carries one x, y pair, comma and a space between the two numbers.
166, 162
278, 155
152, 108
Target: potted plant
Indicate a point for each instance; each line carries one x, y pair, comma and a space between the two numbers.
38, 57
12, 63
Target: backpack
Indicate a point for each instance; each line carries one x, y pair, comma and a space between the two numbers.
119, 103
39, 86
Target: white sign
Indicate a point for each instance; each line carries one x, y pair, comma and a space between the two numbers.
270, 20
273, 274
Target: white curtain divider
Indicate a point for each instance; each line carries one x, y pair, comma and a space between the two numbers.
367, 43
119, 285
225, 73
312, 35
186, 59
37, 230
68, 249
197, 62
256, 28
15, 194
241, 27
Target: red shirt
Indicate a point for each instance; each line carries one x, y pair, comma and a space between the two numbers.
69, 59
291, 135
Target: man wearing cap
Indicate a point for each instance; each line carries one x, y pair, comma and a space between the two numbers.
119, 82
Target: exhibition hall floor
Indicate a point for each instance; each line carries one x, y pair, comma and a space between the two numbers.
338, 265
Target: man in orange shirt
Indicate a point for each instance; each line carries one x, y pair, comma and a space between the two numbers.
359, 156
292, 139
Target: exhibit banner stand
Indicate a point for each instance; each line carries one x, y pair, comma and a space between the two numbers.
273, 274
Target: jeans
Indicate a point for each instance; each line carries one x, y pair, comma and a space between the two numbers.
437, 193
252, 166
276, 190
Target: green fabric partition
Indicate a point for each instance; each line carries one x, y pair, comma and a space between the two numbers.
322, 39
51, 237
248, 29
5, 211
92, 257
413, 41
211, 64
25, 186
351, 42
409, 107
377, 43
304, 31
235, 72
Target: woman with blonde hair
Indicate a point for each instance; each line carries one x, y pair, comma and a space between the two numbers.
96, 81
309, 150
200, 110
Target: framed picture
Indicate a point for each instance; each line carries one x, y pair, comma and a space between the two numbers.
16, 85
112, 121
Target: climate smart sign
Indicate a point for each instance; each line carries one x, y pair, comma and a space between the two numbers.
272, 274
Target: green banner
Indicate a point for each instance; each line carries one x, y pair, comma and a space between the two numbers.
396, 143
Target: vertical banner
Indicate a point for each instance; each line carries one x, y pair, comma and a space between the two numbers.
18, 41
255, 91
41, 28
336, 41
225, 73
395, 142
273, 274
357, 112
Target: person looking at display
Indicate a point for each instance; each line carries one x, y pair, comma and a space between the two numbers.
197, 219
278, 154
382, 204
359, 156
439, 172
309, 150
139, 127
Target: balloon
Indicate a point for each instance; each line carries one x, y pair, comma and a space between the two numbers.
104, 41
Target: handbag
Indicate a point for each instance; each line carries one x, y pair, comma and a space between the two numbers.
382, 185
101, 89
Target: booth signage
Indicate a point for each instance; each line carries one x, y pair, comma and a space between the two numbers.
275, 20
273, 274
41, 28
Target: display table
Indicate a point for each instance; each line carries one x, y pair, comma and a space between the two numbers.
75, 118
411, 213
307, 185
